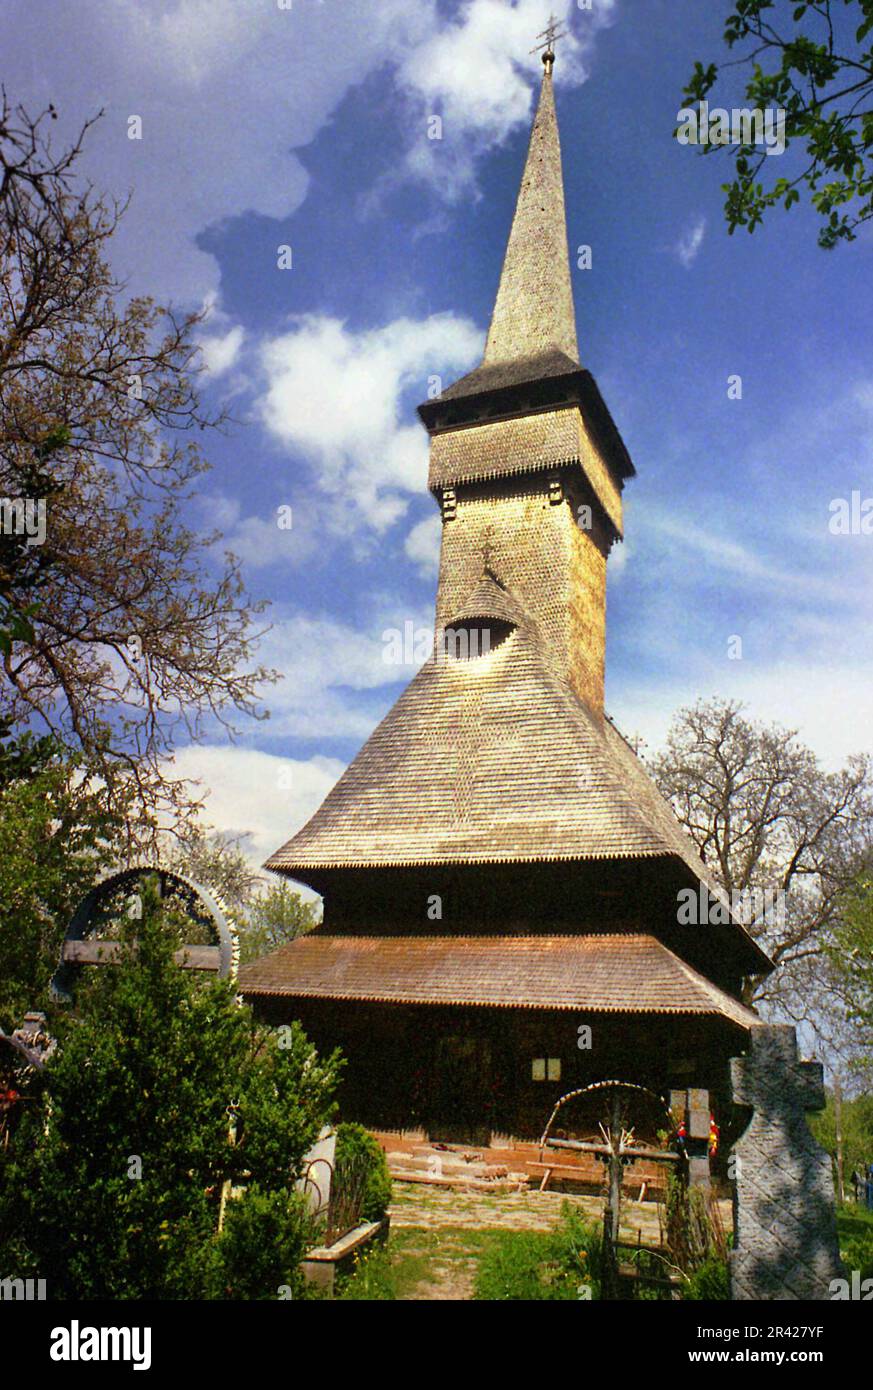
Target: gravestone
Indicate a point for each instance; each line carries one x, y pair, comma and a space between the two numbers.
785, 1235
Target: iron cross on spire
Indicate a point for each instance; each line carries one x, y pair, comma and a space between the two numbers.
550, 36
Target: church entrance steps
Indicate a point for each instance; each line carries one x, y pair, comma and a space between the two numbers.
510, 1167
461, 1180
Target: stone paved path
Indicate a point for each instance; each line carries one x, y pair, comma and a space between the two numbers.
428, 1208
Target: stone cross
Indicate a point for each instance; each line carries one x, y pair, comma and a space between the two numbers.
785, 1237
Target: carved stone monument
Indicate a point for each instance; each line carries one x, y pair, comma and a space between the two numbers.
785, 1231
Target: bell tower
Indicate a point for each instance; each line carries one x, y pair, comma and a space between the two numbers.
495, 862
526, 463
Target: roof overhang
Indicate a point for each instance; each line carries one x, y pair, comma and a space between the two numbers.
630, 973
494, 396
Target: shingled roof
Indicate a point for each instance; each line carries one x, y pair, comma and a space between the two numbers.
532, 336
487, 760
533, 312
627, 973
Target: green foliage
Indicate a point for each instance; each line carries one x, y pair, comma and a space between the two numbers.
265, 1236
55, 838
710, 1281
372, 1278
112, 1188
857, 1127
528, 1265
360, 1156
23, 755
821, 74
851, 955
518, 1267
285, 1097
276, 916
855, 1230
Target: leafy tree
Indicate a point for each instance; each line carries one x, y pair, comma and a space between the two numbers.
114, 1186
21, 755
813, 60
857, 1131
765, 816
56, 835
276, 916
118, 628
851, 956
216, 861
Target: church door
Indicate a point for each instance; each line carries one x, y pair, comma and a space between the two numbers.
461, 1090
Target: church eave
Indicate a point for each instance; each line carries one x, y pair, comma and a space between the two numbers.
604, 974
531, 397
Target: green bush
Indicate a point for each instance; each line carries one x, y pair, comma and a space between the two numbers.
265, 1236
361, 1162
709, 1282
111, 1187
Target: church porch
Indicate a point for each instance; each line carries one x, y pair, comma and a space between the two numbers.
474, 1075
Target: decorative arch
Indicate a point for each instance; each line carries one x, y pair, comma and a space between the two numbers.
83, 944
606, 1086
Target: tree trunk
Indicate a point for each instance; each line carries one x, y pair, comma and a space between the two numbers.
838, 1125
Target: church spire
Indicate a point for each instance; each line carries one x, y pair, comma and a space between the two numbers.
534, 314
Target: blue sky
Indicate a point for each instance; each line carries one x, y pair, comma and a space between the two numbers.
308, 128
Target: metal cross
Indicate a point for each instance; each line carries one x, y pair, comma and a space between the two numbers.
550, 37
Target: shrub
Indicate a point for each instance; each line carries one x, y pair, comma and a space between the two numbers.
360, 1173
710, 1282
112, 1186
265, 1236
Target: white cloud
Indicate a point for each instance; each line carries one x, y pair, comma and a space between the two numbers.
221, 350
334, 396
826, 697
228, 90
687, 248
476, 72
336, 679
422, 545
260, 542
262, 798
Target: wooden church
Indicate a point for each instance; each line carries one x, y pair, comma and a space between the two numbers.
500, 875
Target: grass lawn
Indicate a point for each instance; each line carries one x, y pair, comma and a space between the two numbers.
459, 1263
547, 1252
855, 1230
